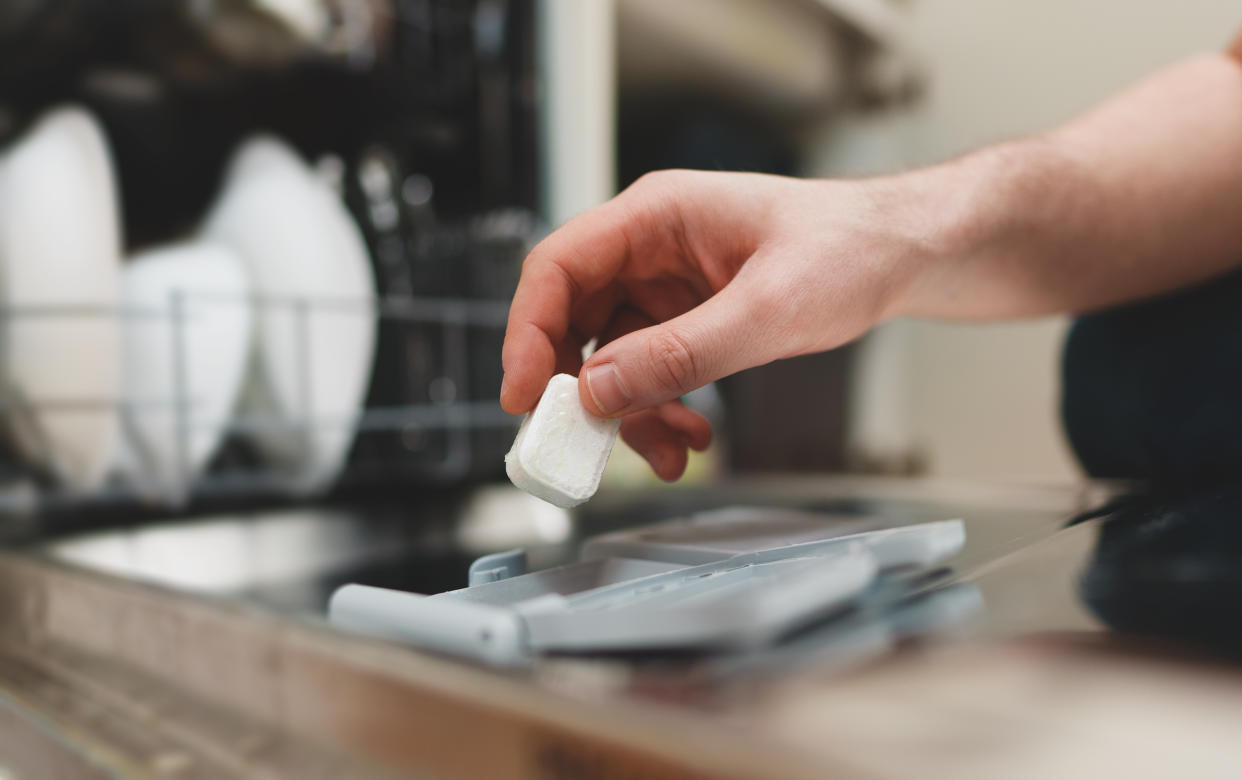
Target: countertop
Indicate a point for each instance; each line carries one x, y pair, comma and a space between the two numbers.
228, 675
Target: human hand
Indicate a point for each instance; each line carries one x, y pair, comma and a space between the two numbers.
689, 276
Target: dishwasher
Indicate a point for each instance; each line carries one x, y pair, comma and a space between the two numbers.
212, 625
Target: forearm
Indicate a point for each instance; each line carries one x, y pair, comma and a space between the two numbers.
1139, 196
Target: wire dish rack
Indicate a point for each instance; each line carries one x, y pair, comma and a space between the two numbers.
431, 414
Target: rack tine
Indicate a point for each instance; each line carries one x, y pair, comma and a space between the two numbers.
181, 400
449, 409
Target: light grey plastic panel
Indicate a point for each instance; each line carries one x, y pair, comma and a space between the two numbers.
717, 534
494, 635
624, 604
721, 534
737, 605
562, 580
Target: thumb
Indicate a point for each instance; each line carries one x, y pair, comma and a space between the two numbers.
662, 362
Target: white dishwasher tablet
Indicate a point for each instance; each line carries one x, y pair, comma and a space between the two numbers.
561, 448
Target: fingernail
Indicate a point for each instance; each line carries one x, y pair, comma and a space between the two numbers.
504, 385
606, 388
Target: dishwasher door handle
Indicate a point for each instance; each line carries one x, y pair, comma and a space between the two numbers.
456, 626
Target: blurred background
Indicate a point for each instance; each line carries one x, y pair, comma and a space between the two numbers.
259, 251
912, 83
975, 400
256, 258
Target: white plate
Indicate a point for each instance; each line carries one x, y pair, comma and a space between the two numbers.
187, 338
60, 247
316, 328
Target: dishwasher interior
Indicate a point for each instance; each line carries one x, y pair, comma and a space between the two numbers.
387, 150
377, 170
290, 559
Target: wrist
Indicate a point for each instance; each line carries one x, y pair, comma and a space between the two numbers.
977, 218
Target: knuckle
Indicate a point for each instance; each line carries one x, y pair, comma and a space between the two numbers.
538, 251
766, 294
673, 360
655, 183
771, 297
649, 181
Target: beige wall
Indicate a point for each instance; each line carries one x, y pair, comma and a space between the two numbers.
980, 400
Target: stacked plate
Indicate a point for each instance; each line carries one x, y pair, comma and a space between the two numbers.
315, 336
60, 276
263, 322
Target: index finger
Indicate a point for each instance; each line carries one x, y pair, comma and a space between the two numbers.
581, 257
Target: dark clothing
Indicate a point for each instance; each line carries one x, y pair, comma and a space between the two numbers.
1153, 390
